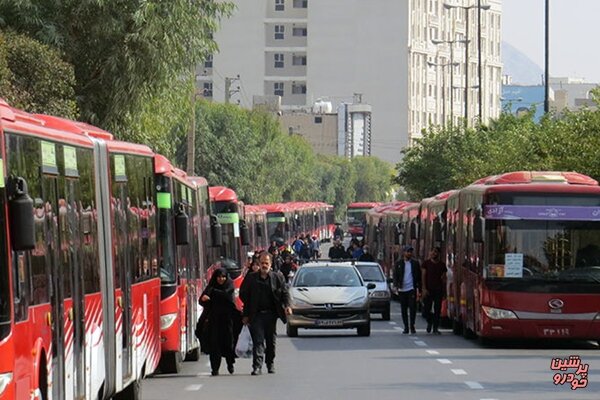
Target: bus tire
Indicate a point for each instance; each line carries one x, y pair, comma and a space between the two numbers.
131, 392
170, 363
193, 355
468, 333
292, 331
457, 327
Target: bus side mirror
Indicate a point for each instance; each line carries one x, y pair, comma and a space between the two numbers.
182, 231
244, 233
20, 213
478, 228
259, 230
216, 238
398, 233
414, 230
437, 231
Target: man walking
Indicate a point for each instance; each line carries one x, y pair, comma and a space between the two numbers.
434, 283
265, 298
407, 279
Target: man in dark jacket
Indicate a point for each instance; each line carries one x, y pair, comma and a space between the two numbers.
407, 279
337, 251
265, 298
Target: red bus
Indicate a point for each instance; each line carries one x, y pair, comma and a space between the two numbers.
79, 297
256, 220
356, 217
279, 222
524, 249
234, 235
182, 205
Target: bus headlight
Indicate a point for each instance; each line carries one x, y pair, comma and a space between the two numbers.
167, 320
498, 313
5, 379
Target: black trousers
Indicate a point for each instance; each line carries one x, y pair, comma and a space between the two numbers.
434, 299
408, 301
263, 331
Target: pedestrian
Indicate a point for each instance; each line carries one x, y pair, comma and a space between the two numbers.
337, 251
221, 312
407, 279
277, 259
265, 298
288, 267
316, 248
366, 256
434, 284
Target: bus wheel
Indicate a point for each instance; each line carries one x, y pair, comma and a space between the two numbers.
170, 363
131, 392
193, 355
468, 333
457, 327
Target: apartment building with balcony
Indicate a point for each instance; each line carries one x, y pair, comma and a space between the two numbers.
305, 50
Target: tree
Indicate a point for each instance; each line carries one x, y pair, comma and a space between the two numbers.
374, 179
125, 53
33, 77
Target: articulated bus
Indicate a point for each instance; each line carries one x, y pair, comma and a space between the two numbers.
182, 205
356, 217
279, 221
79, 295
256, 220
525, 251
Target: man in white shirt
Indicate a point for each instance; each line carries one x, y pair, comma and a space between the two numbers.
407, 279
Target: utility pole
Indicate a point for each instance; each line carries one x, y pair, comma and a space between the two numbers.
466, 67
228, 91
546, 60
479, 76
191, 139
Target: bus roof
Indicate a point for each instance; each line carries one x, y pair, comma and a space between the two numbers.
222, 193
363, 205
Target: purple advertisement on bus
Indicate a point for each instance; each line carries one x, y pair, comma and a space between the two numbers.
564, 213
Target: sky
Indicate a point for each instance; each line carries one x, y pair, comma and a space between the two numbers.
574, 33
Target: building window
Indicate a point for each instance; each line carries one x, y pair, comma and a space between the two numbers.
279, 31
300, 31
298, 88
300, 3
279, 5
278, 86
318, 120
208, 63
299, 60
278, 60
207, 89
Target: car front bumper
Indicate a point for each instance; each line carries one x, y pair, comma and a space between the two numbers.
339, 318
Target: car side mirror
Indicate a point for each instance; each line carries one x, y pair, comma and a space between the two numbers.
371, 286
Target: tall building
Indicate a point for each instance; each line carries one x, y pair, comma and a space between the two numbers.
305, 50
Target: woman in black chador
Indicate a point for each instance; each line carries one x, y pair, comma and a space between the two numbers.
220, 313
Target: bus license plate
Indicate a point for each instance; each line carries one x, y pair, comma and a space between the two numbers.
328, 322
549, 331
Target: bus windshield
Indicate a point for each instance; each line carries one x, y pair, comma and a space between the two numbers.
356, 217
276, 226
558, 251
5, 292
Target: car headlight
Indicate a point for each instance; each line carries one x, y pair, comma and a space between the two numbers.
498, 313
167, 320
358, 302
5, 379
297, 303
379, 294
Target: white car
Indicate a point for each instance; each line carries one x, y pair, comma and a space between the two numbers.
329, 295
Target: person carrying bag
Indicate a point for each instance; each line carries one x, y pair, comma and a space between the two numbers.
217, 322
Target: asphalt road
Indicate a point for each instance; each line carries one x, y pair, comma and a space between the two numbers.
321, 364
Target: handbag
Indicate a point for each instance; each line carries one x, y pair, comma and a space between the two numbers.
243, 347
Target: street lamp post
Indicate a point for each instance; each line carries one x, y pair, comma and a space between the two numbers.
479, 7
452, 65
443, 66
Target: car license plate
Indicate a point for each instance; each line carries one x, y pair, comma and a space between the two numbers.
555, 331
328, 322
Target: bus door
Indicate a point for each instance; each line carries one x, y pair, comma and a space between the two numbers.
123, 269
50, 198
69, 223
191, 274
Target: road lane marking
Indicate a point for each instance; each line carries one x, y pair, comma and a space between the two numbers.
432, 351
392, 323
420, 343
459, 371
444, 361
193, 388
473, 385
398, 328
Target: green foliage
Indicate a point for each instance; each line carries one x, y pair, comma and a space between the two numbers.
452, 158
126, 53
34, 78
374, 179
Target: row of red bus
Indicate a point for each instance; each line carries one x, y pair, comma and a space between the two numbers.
104, 250
522, 251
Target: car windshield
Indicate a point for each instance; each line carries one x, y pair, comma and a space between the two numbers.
327, 276
371, 273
